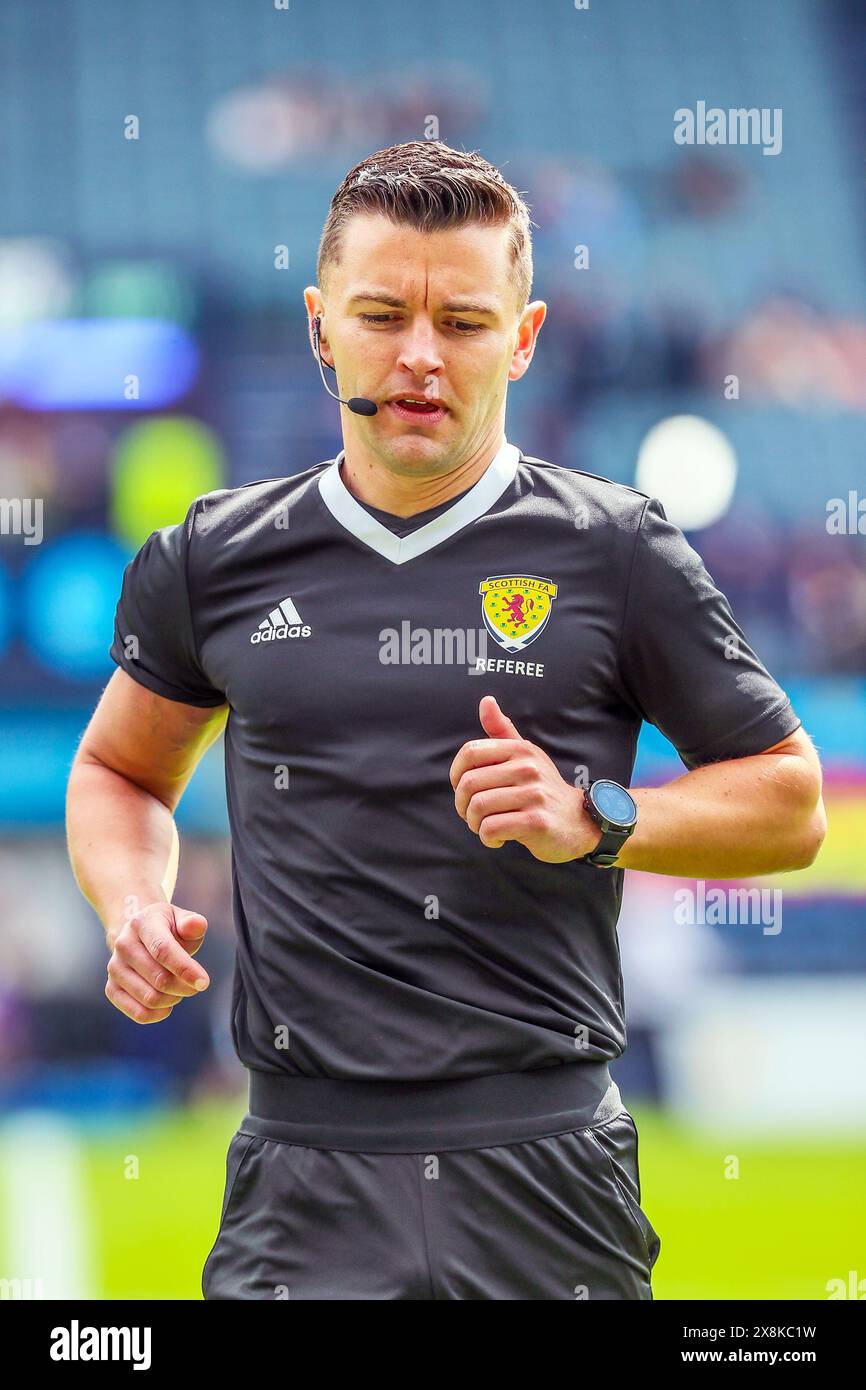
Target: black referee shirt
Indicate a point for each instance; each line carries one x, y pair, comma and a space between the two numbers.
377, 938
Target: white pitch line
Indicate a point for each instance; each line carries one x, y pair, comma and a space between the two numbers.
49, 1244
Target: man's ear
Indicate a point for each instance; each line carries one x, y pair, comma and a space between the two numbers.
313, 306
323, 342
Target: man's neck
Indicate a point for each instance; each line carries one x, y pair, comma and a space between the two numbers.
404, 496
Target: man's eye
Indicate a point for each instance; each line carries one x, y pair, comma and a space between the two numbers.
463, 326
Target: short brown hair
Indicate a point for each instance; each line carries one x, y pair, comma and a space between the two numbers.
430, 186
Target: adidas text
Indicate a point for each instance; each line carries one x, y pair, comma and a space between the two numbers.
276, 634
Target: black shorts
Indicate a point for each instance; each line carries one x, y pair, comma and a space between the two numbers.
555, 1215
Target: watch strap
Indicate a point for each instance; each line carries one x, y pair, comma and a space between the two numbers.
605, 853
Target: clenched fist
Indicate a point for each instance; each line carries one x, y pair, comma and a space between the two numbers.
151, 967
507, 788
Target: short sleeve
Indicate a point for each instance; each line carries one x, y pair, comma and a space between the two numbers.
685, 664
154, 638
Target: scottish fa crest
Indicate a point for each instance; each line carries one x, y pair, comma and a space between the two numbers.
516, 608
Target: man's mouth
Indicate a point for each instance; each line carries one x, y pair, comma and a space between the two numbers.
417, 408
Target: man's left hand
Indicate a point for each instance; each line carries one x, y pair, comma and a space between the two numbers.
507, 788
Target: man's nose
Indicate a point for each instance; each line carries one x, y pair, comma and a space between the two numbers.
419, 352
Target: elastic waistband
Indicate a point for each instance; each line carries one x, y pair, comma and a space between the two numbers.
420, 1116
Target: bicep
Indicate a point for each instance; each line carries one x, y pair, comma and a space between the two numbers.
150, 740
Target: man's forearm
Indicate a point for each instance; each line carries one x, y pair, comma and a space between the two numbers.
734, 819
123, 844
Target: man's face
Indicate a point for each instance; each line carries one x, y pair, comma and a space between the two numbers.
432, 316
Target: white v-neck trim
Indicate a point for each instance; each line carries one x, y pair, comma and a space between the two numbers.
348, 511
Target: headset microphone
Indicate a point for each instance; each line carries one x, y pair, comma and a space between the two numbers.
361, 405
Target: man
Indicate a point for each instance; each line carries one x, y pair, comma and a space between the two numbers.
431, 658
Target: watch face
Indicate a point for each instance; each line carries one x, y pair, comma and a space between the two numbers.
614, 802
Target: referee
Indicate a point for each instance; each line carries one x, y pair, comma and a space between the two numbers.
431, 657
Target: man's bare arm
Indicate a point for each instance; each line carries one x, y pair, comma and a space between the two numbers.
747, 816
132, 766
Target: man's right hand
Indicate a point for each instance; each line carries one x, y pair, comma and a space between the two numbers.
151, 967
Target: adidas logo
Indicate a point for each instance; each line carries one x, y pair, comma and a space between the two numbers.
281, 622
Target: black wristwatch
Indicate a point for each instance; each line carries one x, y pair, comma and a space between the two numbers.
615, 810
